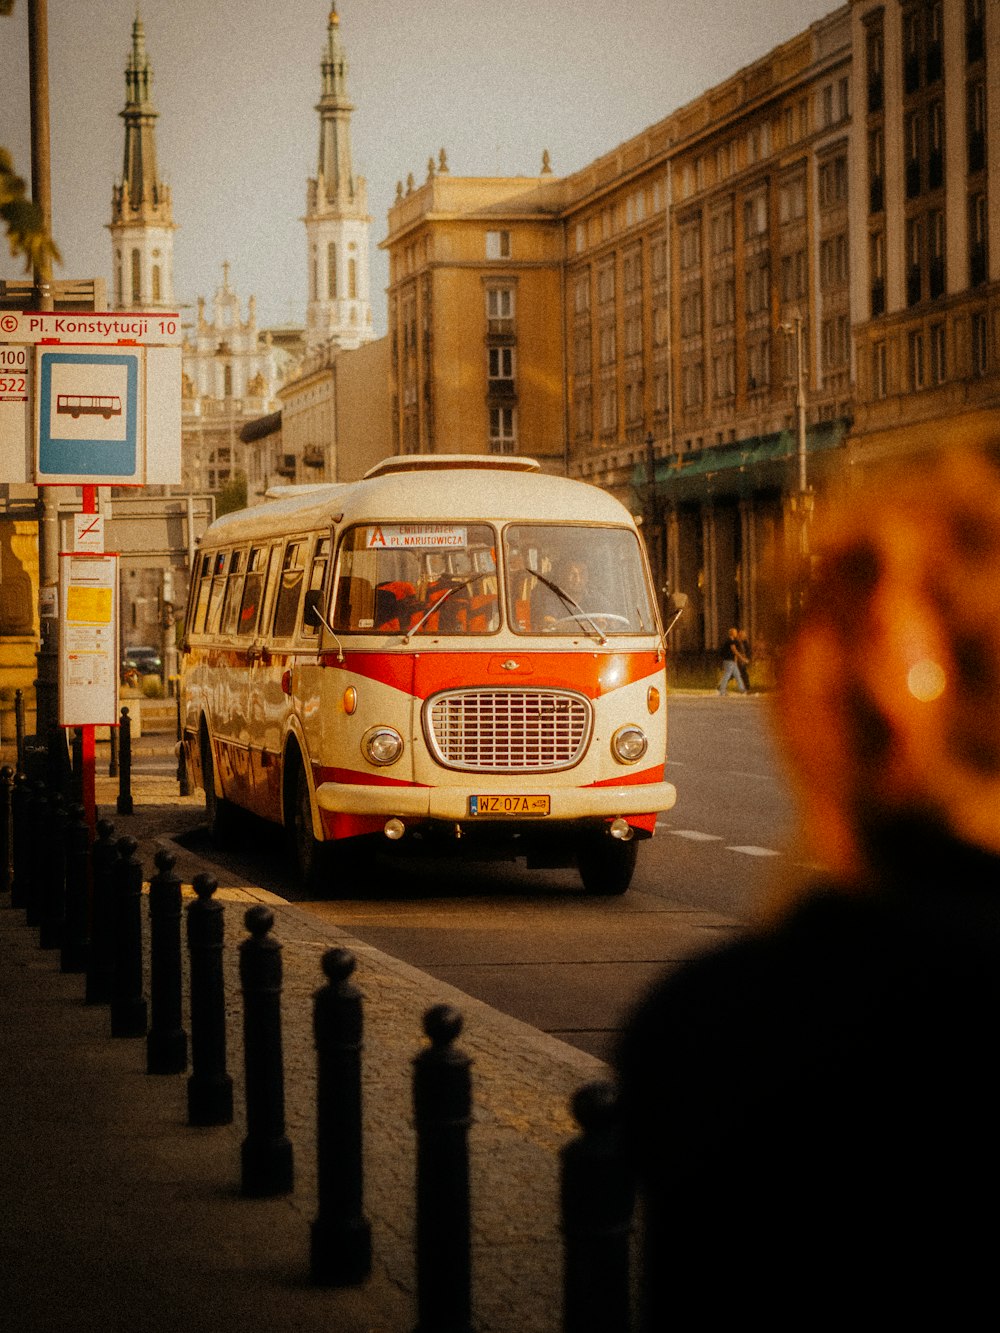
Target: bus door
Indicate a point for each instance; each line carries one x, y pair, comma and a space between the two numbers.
230, 717
248, 662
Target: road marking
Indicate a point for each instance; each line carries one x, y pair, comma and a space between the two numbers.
754, 851
694, 836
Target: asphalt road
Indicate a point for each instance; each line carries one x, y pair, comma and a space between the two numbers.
531, 943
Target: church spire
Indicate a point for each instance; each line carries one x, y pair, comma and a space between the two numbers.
335, 170
337, 221
141, 216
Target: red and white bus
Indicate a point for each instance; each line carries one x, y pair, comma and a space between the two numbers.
456, 647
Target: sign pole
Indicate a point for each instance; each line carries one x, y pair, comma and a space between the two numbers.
89, 755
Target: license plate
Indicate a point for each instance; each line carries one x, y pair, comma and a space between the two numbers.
508, 805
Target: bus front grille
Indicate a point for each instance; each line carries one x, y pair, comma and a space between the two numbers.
508, 731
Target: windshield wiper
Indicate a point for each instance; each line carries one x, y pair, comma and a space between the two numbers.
572, 603
436, 606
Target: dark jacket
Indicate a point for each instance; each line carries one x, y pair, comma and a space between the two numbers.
814, 1114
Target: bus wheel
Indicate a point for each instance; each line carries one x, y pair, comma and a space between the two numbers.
310, 855
606, 865
218, 811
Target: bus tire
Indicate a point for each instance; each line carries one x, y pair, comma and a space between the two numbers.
607, 865
218, 811
311, 857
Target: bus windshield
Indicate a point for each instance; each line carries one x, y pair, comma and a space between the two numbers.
417, 578
567, 579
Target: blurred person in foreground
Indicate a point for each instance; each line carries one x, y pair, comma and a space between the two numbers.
814, 1109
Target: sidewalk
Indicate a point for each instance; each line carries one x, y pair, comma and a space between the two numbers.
119, 1217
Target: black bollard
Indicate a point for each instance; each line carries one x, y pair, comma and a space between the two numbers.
341, 1238
112, 752
101, 958
20, 841
76, 926
59, 770
267, 1153
124, 806
183, 781
128, 1004
37, 821
598, 1199
210, 1088
76, 747
442, 1106
6, 829
19, 728
166, 1044
52, 918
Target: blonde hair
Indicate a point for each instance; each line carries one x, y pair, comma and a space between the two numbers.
889, 689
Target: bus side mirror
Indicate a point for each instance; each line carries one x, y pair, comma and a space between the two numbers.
675, 604
311, 615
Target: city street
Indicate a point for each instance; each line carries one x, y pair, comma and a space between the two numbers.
531, 943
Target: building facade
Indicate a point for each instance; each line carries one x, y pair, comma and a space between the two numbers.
230, 376
791, 276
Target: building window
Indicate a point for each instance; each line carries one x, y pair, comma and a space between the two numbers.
157, 294
758, 284
793, 276
976, 125
974, 12
607, 345
758, 365
833, 267
935, 145
691, 382
912, 137
875, 58
724, 373
581, 294
136, 278
498, 245
723, 301
755, 215
352, 278
690, 239
499, 303
661, 321
606, 284
876, 169
876, 265
690, 314
633, 334
503, 436
791, 199
581, 237
880, 383
722, 231
980, 344
227, 380
581, 354
609, 409
977, 239
501, 363
331, 272
914, 255
833, 181
915, 359
935, 238
939, 367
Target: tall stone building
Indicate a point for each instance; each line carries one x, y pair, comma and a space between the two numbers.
142, 225
781, 282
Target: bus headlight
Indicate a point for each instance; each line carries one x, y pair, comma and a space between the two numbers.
381, 745
629, 744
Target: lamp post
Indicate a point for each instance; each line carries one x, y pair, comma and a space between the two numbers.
804, 495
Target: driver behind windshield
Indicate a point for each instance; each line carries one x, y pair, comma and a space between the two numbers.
562, 595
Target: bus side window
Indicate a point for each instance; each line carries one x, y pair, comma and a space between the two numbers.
286, 608
253, 586
314, 593
204, 590
219, 569
234, 593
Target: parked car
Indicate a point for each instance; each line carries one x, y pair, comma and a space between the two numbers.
140, 660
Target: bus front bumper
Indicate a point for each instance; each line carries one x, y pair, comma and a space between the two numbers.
453, 803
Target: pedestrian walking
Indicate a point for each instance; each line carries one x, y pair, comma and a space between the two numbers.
732, 657
811, 1109
744, 664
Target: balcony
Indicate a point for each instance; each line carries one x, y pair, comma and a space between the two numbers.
285, 466
313, 456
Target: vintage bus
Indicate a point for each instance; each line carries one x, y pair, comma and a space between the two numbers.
454, 652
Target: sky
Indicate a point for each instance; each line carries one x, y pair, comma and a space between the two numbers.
493, 82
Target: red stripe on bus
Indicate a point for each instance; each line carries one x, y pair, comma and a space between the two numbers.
358, 779
425, 673
647, 775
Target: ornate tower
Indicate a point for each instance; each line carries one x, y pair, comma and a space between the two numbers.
337, 220
142, 226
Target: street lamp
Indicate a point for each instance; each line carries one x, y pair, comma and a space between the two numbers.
804, 495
